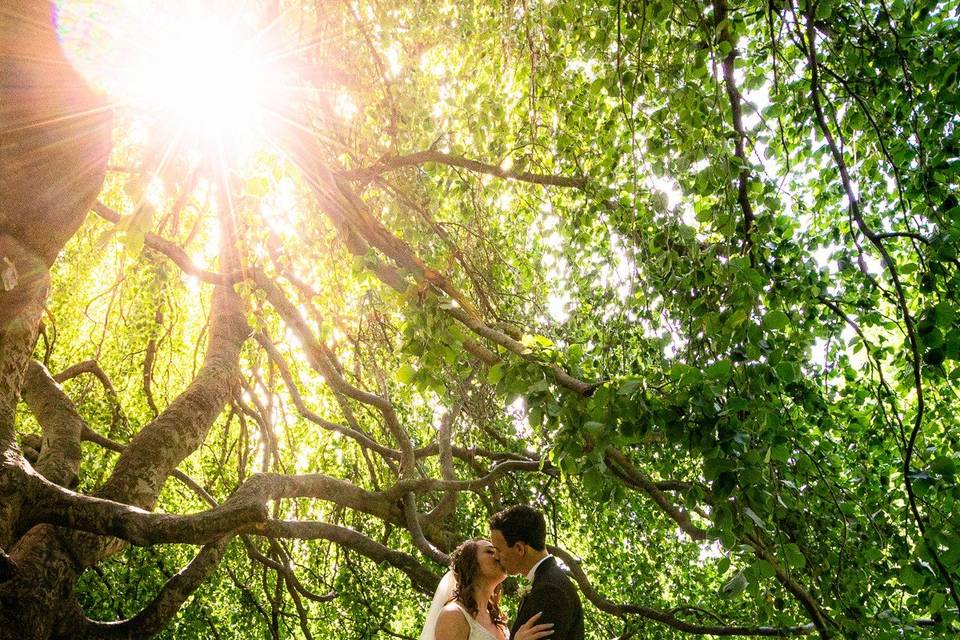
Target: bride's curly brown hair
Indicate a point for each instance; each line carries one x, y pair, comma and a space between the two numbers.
466, 569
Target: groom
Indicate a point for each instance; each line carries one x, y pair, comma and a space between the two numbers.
519, 535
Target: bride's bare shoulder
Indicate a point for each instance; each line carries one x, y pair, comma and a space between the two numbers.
451, 624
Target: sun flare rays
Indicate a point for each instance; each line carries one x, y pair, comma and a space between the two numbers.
203, 74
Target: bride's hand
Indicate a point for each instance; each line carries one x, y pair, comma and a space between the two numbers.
530, 630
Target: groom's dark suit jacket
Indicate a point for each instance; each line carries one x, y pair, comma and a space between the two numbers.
554, 595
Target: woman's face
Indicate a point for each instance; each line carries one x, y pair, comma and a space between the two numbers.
489, 565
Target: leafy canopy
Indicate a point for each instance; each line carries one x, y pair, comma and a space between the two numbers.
693, 264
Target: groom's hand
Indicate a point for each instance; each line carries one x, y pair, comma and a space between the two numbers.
530, 630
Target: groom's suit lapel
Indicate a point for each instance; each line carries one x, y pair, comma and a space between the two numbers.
533, 585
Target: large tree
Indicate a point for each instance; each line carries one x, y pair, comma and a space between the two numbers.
685, 274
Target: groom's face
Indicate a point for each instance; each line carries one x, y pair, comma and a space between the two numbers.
510, 557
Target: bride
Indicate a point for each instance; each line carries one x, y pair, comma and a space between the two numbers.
466, 605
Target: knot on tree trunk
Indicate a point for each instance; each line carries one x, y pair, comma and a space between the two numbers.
24, 281
8, 568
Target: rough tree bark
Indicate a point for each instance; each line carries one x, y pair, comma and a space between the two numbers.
54, 143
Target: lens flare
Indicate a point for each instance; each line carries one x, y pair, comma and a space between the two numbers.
200, 69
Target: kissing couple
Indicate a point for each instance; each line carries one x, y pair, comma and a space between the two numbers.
466, 604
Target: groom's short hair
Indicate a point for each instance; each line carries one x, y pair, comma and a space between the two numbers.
521, 523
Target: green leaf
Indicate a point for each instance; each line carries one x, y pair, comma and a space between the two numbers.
257, 186
133, 242
628, 388
593, 479
734, 587
723, 564
104, 238
538, 387
786, 371
757, 520
405, 374
719, 371
824, 9
764, 568
944, 314
944, 465
776, 319
685, 374
794, 556
594, 428
495, 373
937, 601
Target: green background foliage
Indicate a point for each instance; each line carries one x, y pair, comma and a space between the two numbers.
769, 364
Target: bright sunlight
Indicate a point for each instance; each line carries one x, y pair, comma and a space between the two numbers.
204, 74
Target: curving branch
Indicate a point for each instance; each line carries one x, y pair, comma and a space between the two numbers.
412, 522
360, 231
634, 477
448, 502
173, 251
820, 619
426, 485
293, 388
666, 617
430, 156
323, 361
421, 577
165, 605
87, 366
725, 34
93, 368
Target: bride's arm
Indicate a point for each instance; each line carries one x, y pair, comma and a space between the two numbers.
451, 625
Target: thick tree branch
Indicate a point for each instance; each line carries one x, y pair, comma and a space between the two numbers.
20, 311
52, 504
160, 446
59, 459
89, 435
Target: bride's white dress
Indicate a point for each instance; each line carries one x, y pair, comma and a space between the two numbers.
477, 630
441, 597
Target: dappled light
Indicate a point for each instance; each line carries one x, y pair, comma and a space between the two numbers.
295, 296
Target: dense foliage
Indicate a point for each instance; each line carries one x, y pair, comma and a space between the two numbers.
684, 274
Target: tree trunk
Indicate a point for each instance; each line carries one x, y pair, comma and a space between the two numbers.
54, 144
